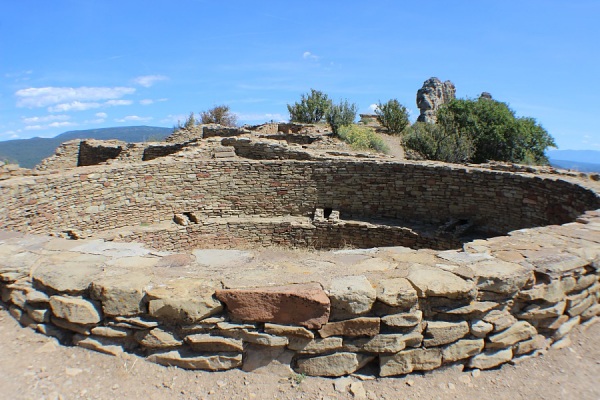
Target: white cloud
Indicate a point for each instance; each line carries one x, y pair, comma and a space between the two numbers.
56, 124
146, 102
133, 118
174, 118
47, 96
118, 103
373, 108
101, 115
307, 55
47, 118
73, 106
61, 124
34, 128
149, 80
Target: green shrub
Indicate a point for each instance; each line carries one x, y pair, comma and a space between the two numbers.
494, 130
311, 109
433, 143
342, 114
362, 138
221, 115
393, 116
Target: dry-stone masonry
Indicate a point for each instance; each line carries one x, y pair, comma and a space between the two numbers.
462, 264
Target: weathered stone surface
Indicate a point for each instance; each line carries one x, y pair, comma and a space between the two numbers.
255, 337
362, 326
137, 322
99, 344
431, 96
535, 343
518, 332
435, 282
351, 296
75, 310
591, 312
537, 311
268, 360
157, 339
175, 261
440, 332
286, 330
208, 343
184, 300
404, 320
63, 323
337, 364
551, 293
552, 323
121, 295
36, 297
566, 328
71, 275
556, 263
304, 304
462, 349
396, 292
111, 332
408, 361
39, 315
480, 328
315, 346
489, 360
500, 276
387, 343
500, 319
187, 360
475, 307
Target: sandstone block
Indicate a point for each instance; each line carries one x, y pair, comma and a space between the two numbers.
500, 319
98, 344
187, 360
268, 360
111, 332
157, 339
480, 328
286, 330
566, 328
591, 312
435, 282
538, 311
396, 292
351, 296
535, 343
75, 310
404, 320
121, 295
440, 332
337, 364
578, 308
72, 275
489, 360
408, 361
208, 343
362, 326
304, 304
387, 343
255, 337
315, 346
521, 330
500, 276
183, 301
462, 349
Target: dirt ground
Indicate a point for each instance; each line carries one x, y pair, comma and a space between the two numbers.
33, 366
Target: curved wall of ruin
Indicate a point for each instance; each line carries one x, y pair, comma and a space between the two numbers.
108, 197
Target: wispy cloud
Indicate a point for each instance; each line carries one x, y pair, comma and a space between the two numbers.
57, 124
307, 55
149, 80
101, 115
174, 118
48, 96
74, 106
46, 118
147, 102
130, 118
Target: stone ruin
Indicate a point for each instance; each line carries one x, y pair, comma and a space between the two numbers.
408, 266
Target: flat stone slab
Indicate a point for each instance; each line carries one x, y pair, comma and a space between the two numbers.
218, 258
194, 361
337, 364
303, 304
435, 282
69, 273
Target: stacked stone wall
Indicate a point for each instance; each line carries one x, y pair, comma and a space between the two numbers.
109, 197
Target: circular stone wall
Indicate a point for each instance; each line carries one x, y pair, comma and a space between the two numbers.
238, 203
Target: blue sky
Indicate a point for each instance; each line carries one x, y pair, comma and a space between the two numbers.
82, 64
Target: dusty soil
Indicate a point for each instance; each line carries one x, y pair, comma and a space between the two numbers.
33, 366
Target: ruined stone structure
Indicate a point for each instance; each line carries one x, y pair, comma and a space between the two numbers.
431, 96
483, 265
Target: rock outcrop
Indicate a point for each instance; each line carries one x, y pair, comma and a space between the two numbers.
431, 96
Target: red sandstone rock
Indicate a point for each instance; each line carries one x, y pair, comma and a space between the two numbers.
302, 304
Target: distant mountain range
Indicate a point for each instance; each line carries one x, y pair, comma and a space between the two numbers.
579, 160
29, 152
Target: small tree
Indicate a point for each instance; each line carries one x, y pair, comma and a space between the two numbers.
221, 115
311, 109
341, 114
393, 116
190, 122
